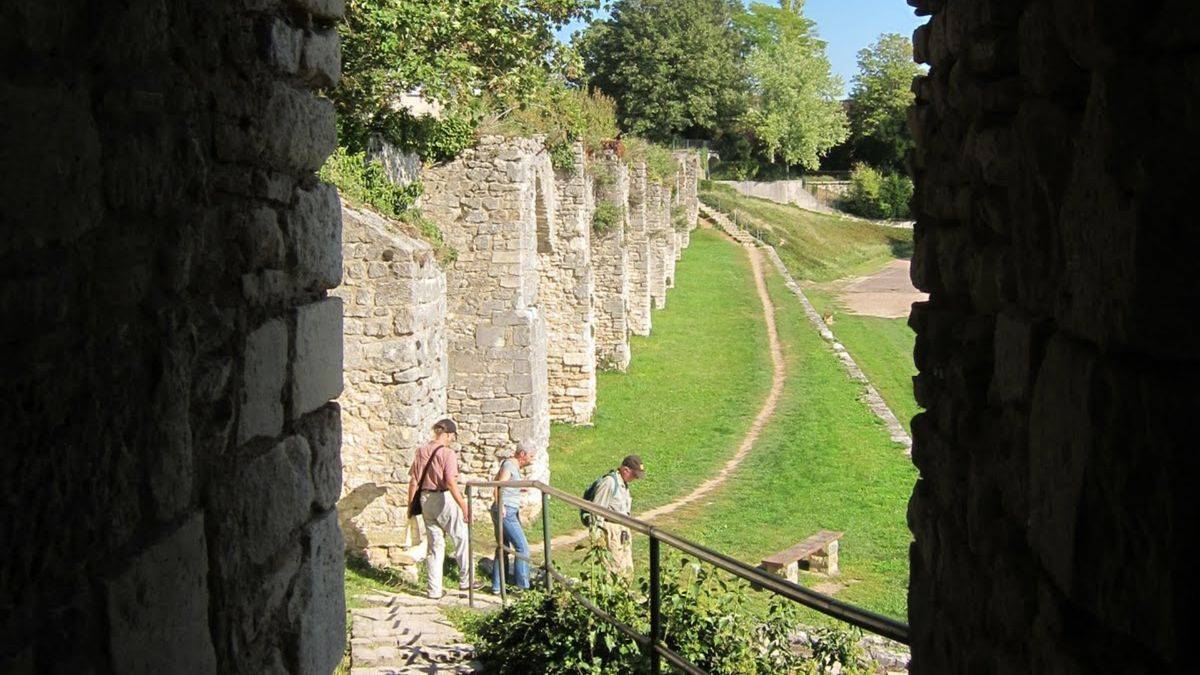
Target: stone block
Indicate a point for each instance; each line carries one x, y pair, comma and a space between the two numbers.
323, 430
321, 61
316, 233
264, 371
324, 9
157, 607
319, 600
255, 510
283, 44
317, 371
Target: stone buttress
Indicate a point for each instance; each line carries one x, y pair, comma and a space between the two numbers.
637, 247
611, 297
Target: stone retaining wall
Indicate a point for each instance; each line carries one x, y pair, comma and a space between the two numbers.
394, 298
568, 285
496, 207
637, 253
170, 458
609, 261
1055, 202
661, 242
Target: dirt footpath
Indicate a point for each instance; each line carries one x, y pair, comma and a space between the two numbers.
888, 293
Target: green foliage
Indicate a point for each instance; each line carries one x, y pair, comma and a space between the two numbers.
452, 53
879, 102
835, 650
365, 182
607, 217
874, 195
431, 233
672, 67
429, 137
661, 166
704, 619
795, 114
679, 221
564, 115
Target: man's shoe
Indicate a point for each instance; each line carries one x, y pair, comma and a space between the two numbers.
435, 598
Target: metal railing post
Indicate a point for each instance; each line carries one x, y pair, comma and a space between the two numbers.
546, 539
501, 558
470, 551
656, 629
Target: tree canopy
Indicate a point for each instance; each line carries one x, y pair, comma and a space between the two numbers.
672, 66
879, 102
453, 53
795, 114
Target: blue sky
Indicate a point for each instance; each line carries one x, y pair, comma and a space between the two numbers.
847, 26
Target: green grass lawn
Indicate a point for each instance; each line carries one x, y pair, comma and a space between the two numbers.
689, 395
824, 462
883, 348
813, 246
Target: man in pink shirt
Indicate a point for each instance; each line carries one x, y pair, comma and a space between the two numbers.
433, 476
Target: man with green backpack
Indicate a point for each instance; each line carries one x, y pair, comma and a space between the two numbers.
611, 491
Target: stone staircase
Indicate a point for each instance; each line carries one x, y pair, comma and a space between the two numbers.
403, 634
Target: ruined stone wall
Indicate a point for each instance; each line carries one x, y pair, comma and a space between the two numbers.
1058, 351
610, 301
658, 229
170, 460
566, 298
495, 206
637, 253
394, 298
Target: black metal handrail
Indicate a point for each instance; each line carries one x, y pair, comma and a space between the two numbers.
653, 643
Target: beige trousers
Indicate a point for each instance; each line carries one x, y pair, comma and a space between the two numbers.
619, 541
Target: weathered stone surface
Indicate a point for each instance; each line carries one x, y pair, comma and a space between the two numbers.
264, 371
316, 235
157, 607
638, 300
256, 511
1049, 195
319, 599
317, 371
395, 371
610, 264
323, 431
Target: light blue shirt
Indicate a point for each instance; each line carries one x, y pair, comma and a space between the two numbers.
511, 496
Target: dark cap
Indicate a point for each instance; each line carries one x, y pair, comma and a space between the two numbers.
634, 464
446, 426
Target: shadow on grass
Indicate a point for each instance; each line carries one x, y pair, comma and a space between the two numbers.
901, 248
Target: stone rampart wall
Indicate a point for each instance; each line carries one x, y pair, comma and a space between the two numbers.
1057, 354
568, 286
661, 241
394, 298
170, 461
637, 253
610, 301
495, 206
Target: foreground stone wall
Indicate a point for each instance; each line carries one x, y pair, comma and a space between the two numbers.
637, 253
170, 460
394, 295
610, 264
1057, 354
568, 285
495, 206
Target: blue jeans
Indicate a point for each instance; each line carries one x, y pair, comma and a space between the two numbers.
515, 537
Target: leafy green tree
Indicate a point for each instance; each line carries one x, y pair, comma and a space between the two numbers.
795, 114
453, 53
879, 102
672, 66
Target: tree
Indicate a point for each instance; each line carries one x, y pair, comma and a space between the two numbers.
672, 66
879, 102
454, 53
795, 114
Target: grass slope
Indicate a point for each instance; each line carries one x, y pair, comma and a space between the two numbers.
883, 348
824, 462
690, 393
814, 246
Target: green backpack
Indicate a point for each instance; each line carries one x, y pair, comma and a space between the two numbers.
590, 494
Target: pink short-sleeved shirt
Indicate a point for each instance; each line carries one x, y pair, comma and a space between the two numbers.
442, 472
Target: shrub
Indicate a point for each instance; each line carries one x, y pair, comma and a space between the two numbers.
705, 618
874, 195
606, 217
365, 182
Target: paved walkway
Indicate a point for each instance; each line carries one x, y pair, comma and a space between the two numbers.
402, 634
889, 293
765, 413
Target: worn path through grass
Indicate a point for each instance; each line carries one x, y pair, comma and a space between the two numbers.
691, 392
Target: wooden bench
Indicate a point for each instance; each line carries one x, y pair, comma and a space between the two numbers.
818, 553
